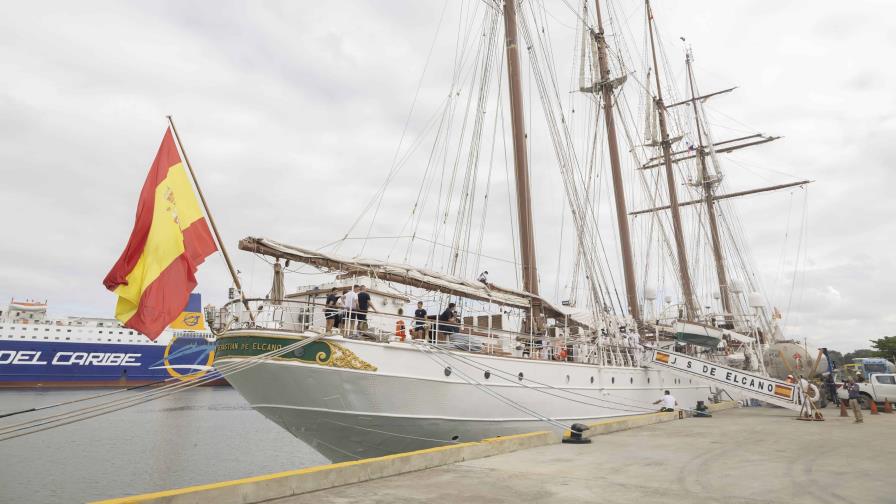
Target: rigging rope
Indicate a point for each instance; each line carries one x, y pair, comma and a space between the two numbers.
430, 351
512, 378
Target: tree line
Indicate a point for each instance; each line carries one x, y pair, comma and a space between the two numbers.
884, 347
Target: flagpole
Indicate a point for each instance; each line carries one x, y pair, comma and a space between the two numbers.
211, 219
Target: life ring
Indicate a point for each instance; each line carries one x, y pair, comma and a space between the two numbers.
812, 392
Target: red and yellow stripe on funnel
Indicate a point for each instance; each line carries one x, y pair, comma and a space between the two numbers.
155, 274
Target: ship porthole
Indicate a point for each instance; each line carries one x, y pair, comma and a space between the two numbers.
520, 376
648, 380
592, 379
613, 380
567, 378
488, 375
448, 371
631, 380
455, 437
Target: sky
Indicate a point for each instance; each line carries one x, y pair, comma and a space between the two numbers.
291, 112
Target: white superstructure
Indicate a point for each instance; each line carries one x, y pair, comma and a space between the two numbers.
27, 320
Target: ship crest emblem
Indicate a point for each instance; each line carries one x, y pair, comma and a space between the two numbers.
172, 207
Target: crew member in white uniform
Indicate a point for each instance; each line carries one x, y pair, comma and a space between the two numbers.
350, 305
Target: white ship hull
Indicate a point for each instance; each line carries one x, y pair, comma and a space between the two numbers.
405, 399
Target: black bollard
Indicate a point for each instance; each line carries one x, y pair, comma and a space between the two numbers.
575, 434
701, 410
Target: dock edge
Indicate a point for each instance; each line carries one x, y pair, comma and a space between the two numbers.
311, 479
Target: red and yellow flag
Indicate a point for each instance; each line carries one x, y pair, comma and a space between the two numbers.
154, 276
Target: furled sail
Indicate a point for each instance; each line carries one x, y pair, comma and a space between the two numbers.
405, 274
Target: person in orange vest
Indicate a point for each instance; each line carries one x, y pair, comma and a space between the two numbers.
399, 326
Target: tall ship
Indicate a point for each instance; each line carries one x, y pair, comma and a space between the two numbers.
407, 342
38, 351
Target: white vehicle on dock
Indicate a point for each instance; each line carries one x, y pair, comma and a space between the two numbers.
879, 387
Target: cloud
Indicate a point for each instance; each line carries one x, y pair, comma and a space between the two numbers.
292, 114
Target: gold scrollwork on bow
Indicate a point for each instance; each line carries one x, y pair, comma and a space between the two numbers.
342, 357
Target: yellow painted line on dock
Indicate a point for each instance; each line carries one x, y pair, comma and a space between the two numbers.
512, 436
266, 477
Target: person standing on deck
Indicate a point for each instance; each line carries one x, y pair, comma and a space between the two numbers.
350, 305
483, 277
669, 402
364, 304
445, 319
331, 313
623, 345
634, 340
853, 388
419, 321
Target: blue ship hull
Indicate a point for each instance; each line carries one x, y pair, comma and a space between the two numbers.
80, 364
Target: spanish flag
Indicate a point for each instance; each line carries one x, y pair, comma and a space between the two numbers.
154, 276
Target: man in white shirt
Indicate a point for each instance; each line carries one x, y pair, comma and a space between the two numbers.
669, 402
350, 305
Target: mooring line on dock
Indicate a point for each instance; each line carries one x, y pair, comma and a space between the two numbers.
82, 399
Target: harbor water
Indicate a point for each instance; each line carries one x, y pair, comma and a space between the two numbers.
201, 435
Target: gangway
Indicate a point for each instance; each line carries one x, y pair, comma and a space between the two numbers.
755, 386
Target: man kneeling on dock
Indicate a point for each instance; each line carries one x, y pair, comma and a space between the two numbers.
669, 402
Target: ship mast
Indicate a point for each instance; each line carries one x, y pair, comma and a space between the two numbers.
708, 188
520, 160
625, 242
685, 276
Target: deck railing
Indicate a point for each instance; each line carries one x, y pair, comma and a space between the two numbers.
576, 344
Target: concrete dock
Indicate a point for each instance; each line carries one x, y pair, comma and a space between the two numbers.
748, 455
744, 455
